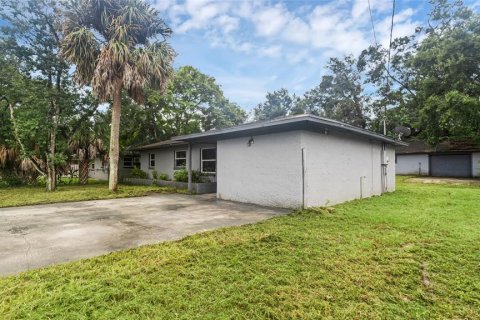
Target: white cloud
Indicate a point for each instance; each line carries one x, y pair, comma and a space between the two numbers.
162, 5
199, 14
339, 26
244, 89
227, 23
262, 34
402, 26
269, 20
360, 8
270, 51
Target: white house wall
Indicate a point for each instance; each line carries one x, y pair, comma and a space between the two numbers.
99, 171
165, 159
266, 173
343, 167
476, 164
391, 169
412, 164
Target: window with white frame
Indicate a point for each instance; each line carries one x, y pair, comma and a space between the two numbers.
180, 159
151, 163
129, 162
208, 160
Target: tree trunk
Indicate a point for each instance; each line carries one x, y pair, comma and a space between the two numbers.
52, 146
51, 176
83, 167
52, 143
114, 137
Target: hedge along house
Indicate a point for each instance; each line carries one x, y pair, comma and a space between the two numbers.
460, 159
297, 161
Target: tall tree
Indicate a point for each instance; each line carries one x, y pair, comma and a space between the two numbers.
433, 80
278, 103
340, 94
115, 46
31, 35
193, 102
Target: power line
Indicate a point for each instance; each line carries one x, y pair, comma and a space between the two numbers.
388, 69
373, 24
391, 35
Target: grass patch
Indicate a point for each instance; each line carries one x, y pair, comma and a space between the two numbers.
411, 254
30, 195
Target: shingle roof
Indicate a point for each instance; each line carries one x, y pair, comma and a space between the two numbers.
420, 146
298, 122
161, 144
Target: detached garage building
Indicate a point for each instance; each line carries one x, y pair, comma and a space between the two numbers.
292, 162
447, 159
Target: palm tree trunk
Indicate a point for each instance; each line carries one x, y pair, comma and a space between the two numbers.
114, 136
83, 171
51, 166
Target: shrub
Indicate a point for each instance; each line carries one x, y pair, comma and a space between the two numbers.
182, 176
155, 174
163, 176
11, 181
138, 173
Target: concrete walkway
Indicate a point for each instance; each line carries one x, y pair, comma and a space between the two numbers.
36, 236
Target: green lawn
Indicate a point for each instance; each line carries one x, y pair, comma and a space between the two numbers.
22, 196
411, 254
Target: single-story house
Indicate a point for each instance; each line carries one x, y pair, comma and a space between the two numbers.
295, 161
447, 159
98, 167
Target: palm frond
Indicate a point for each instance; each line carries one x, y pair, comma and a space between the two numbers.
81, 48
155, 63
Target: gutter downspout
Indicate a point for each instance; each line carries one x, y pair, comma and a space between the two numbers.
189, 167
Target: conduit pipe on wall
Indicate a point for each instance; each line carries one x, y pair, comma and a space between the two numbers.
304, 167
384, 168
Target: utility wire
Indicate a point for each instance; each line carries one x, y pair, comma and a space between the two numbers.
388, 57
373, 24
391, 35
388, 69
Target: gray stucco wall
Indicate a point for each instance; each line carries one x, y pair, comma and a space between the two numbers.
476, 164
391, 169
100, 173
341, 168
412, 164
338, 168
268, 173
165, 159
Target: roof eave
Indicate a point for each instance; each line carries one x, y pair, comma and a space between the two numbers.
285, 122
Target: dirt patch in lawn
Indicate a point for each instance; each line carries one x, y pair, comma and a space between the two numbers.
436, 180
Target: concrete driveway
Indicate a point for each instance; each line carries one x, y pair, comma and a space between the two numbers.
36, 236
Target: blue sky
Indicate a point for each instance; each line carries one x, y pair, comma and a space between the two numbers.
252, 47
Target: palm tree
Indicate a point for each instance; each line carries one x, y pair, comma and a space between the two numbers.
116, 45
86, 146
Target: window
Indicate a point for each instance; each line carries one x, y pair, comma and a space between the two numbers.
93, 165
180, 159
151, 163
209, 160
131, 161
